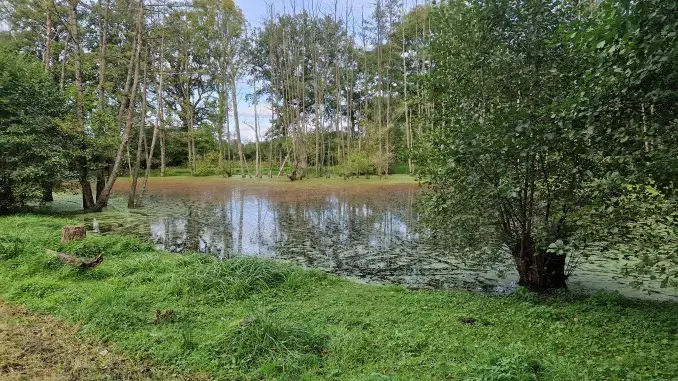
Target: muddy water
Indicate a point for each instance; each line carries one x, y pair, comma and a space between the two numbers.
367, 232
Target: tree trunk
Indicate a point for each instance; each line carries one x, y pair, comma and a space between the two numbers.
538, 271
103, 42
47, 53
163, 150
220, 126
83, 170
132, 199
47, 195
106, 192
72, 233
257, 161
234, 96
77, 262
101, 183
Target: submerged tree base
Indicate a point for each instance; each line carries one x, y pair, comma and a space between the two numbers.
540, 272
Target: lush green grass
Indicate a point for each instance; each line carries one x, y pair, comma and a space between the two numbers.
253, 319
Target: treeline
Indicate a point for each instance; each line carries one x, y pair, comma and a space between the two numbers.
341, 88
554, 134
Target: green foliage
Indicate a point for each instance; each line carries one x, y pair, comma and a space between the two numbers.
357, 164
549, 116
636, 225
208, 165
33, 147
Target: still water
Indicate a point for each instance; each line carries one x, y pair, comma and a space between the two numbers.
368, 232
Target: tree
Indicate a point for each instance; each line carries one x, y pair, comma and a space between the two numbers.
102, 200
34, 148
506, 174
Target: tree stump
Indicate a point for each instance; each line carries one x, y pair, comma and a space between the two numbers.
72, 233
293, 176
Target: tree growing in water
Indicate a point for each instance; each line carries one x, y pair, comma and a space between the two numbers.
505, 171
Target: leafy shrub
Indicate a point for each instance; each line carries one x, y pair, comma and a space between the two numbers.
357, 164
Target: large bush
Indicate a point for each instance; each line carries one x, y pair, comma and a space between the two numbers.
32, 146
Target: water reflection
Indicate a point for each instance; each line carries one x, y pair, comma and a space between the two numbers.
367, 234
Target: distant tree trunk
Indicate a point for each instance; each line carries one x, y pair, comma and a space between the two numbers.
47, 53
220, 126
234, 96
270, 157
229, 156
132, 199
194, 165
163, 150
149, 161
83, 170
408, 128
47, 194
106, 192
380, 87
101, 183
316, 109
103, 42
257, 167
157, 128
63, 70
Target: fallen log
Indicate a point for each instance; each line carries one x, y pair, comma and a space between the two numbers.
77, 262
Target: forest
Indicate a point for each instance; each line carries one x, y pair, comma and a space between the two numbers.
336, 89
400, 142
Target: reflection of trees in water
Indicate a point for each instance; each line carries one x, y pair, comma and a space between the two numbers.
260, 226
195, 226
370, 236
342, 232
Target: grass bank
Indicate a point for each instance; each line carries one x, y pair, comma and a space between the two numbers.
310, 182
252, 319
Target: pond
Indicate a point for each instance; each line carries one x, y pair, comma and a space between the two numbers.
363, 230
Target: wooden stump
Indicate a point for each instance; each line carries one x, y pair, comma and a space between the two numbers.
72, 233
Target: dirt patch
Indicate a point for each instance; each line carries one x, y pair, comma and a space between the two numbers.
35, 347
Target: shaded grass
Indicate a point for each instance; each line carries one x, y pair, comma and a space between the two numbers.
254, 319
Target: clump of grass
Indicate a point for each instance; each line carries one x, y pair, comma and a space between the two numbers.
11, 247
108, 245
256, 340
236, 278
